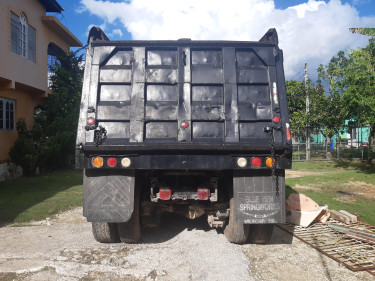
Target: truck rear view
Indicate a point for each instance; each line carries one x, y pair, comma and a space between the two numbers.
200, 128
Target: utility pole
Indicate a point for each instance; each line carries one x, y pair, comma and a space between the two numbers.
307, 113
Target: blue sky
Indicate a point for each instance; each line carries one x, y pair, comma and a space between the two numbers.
309, 31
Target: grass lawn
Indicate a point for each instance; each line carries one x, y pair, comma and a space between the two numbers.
346, 186
36, 198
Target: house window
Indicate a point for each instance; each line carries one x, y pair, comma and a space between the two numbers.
23, 37
53, 53
7, 114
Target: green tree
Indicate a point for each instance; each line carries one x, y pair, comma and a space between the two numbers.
325, 114
299, 118
60, 116
358, 86
332, 115
351, 79
26, 150
296, 95
51, 142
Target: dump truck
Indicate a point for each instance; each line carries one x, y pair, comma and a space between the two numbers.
193, 127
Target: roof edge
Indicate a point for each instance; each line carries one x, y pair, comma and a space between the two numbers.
57, 26
52, 6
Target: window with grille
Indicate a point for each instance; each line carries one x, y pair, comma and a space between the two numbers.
23, 37
7, 114
53, 52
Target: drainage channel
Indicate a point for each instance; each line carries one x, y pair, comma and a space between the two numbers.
354, 254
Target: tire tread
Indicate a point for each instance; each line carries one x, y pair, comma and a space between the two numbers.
105, 232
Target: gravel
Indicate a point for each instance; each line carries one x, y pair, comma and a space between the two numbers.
64, 249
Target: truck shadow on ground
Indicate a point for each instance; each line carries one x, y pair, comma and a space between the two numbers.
280, 236
171, 225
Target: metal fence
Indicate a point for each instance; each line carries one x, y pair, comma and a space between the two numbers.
346, 150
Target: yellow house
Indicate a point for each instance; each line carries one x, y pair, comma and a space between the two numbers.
28, 38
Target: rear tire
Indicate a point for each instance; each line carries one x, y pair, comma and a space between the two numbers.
130, 231
105, 232
260, 233
236, 232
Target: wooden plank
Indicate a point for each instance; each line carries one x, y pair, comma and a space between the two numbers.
352, 217
340, 217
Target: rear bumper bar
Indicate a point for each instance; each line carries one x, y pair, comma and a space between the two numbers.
184, 161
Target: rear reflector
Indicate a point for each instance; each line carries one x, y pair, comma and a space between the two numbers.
275, 98
184, 125
276, 119
241, 162
97, 162
91, 121
256, 162
270, 162
203, 193
126, 162
111, 162
165, 193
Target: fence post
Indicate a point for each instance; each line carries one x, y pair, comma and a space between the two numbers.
299, 158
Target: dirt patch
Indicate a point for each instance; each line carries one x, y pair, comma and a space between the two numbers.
5, 276
299, 187
94, 276
96, 256
289, 174
73, 216
180, 249
281, 260
349, 192
345, 197
362, 189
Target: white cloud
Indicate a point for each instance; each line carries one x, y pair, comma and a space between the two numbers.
313, 31
117, 32
311, 6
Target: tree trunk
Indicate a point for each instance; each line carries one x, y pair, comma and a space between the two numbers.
328, 144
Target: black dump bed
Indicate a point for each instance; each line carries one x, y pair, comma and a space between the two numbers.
183, 96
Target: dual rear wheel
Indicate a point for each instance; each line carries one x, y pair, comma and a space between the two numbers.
130, 232
127, 232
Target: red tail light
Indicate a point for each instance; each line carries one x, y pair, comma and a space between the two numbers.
256, 162
276, 119
111, 162
91, 121
184, 125
165, 193
203, 193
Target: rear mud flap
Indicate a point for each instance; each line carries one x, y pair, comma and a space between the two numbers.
255, 197
108, 196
